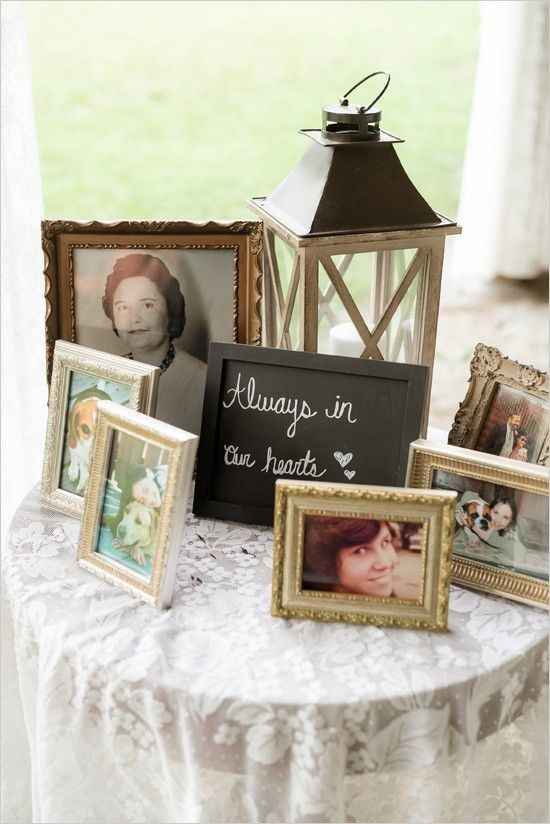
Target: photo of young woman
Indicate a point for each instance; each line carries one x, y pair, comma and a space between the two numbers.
360, 556
505, 527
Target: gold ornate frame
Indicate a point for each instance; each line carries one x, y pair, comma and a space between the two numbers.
61, 237
182, 448
294, 500
425, 457
70, 357
488, 369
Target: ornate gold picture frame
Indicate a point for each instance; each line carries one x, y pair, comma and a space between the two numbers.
505, 411
500, 541
362, 554
63, 240
136, 502
80, 378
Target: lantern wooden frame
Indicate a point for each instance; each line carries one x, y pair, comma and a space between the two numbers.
315, 251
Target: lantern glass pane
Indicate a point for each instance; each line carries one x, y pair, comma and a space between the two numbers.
384, 290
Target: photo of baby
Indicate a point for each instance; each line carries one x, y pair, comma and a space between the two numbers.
134, 490
504, 527
516, 426
360, 556
84, 393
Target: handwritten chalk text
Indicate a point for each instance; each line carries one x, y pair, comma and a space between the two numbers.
234, 457
247, 398
341, 408
303, 467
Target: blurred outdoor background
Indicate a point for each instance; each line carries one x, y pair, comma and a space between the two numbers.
185, 109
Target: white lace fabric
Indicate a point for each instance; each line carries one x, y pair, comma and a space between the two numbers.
215, 711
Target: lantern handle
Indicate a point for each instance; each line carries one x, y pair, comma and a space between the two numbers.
344, 101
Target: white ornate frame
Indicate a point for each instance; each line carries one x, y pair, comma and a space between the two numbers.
489, 368
294, 500
68, 358
426, 457
182, 447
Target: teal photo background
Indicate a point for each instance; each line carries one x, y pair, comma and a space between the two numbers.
127, 453
105, 547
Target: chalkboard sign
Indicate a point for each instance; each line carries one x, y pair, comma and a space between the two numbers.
271, 414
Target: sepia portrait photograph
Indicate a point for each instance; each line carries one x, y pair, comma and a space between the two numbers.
161, 309
360, 556
141, 291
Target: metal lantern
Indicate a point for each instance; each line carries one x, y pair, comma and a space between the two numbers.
352, 251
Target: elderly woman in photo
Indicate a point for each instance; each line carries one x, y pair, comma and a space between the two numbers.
144, 302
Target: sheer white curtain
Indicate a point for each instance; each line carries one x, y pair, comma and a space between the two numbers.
23, 360
504, 198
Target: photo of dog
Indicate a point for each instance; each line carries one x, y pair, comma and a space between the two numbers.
133, 496
477, 517
81, 429
136, 530
84, 393
505, 527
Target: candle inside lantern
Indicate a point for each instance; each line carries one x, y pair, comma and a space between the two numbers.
344, 339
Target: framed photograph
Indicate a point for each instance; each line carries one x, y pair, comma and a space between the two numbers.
136, 502
362, 554
500, 522
505, 411
82, 377
272, 414
157, 292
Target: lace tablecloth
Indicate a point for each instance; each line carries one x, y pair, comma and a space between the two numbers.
213, 711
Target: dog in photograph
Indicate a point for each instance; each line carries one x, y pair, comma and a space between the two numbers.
136, 532
477, 517
80, 432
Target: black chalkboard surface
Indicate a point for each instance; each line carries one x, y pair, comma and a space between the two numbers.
270, 413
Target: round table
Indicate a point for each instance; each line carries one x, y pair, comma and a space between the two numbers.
214, 711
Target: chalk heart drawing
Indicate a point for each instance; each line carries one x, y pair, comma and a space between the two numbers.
349, 473
342, 459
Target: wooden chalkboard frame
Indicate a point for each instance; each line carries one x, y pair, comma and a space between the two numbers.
219, 353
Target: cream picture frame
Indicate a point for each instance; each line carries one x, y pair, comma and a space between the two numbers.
141, 379
179, 449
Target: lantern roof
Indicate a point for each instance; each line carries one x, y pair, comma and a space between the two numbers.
350, 180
